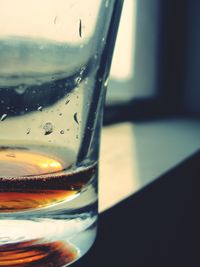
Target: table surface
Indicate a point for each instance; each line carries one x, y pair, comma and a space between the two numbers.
135, 154
157, 226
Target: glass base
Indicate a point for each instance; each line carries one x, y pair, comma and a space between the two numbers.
45, 242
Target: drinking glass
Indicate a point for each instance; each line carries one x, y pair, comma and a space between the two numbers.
54, 64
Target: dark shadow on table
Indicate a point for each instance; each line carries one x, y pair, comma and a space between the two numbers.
158, 226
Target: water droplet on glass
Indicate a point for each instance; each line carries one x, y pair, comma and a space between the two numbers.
60, 114
48, 128
103, 39
55, 20
78, 80
8, 108
2, 101
86, 81
106, 82
80, 28
28, 131
100, 79
20, 89
76, 118
3, 117
39, 108
67, 101
82, 70
62, 132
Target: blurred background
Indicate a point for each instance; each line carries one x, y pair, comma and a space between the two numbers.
152, 114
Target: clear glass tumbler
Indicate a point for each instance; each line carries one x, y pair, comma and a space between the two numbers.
54, 63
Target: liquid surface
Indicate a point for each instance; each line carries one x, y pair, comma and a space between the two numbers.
30, 180
31, 253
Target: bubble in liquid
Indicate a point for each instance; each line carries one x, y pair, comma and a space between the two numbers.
3, 117
39, 108
62, 132
4, 239
11, 155
48, 128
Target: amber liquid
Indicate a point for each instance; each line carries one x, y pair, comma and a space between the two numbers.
31, 253
30, 180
